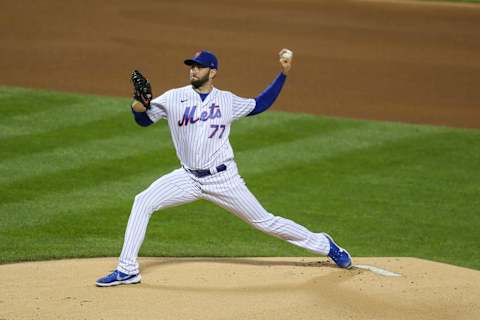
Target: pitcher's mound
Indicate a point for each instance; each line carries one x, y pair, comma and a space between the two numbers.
241, 288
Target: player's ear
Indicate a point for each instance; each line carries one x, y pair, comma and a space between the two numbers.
213, 73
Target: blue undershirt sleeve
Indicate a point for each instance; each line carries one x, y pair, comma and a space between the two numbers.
266, 99
142, 118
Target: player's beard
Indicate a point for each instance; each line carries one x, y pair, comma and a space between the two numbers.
201, 81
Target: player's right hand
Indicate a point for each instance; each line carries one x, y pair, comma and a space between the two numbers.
285, 62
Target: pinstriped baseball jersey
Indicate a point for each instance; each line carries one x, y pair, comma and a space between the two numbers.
200, 129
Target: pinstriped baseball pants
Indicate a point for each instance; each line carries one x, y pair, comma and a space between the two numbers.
226, 189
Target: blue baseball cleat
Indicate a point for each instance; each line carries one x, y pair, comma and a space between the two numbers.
340, 256
116, 277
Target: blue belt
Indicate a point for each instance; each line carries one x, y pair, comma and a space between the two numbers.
206, 172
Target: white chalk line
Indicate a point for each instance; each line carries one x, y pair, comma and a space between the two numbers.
376, 270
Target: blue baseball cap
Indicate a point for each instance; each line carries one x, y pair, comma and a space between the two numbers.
203, 58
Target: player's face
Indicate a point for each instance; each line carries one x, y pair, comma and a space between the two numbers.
199, 75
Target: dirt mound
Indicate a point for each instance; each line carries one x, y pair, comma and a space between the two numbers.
241, 288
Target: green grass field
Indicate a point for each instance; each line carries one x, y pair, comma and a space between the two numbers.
71, 165
464, 1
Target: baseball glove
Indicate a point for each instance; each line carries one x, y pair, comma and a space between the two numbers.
142, 90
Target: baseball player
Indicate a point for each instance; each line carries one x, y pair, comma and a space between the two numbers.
199, 117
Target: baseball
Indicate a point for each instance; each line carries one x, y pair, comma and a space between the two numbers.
286, 54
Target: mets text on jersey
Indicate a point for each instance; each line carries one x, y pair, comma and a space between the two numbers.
189, 115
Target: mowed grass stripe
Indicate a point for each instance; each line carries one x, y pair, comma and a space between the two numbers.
293, 151
82, 154
324, 219
111, 126
439, 159
380, 188
95, 147
250, 133
29, 112
64, 137
80, 178
367, 213
369, 195
31, 213
87, 176
323, 146
17, 102
304, 153
18, 177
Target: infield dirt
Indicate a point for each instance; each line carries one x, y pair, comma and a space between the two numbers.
241, 288
396, 60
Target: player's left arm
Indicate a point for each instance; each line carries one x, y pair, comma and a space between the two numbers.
140, 114
266, 99
144, 110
